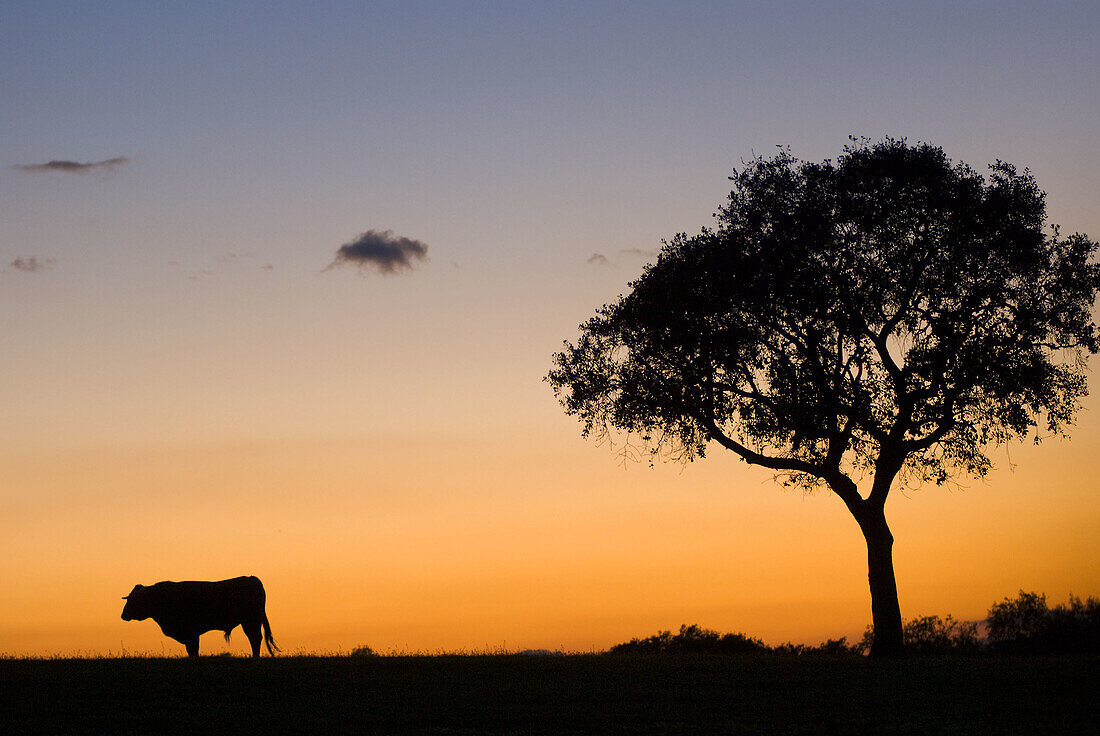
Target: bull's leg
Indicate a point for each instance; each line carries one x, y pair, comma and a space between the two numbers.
252, 631
192, 645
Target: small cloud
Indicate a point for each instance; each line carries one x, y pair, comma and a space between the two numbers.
30, 265
381, 250
232, 256
227, 261
73, 167
598, 259
643, 252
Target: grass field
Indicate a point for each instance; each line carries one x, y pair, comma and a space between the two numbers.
599, 694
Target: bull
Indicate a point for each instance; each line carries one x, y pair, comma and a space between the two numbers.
188, 609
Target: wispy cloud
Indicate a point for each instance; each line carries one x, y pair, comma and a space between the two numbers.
381, 251
225, 262
73, 167
599, 259
31, 264
233, 256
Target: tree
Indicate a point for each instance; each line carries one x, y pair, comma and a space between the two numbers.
886, 319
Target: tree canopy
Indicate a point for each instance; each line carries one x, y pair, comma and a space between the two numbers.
890, 314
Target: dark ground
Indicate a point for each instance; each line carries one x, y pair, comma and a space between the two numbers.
582, 694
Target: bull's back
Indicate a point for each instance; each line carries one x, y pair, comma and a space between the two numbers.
202, 606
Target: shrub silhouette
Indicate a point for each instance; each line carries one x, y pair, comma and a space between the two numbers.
1026, 625
1023, 625
830, 647
692, 639
934, 635
1019, 620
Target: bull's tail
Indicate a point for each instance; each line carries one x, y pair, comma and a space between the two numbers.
272, 647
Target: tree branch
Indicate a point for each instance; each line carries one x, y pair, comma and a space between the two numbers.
792, 464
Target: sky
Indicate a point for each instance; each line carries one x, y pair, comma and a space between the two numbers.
287, 308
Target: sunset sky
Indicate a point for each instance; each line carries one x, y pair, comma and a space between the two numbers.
199, 384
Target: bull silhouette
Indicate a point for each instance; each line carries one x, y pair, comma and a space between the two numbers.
188, 609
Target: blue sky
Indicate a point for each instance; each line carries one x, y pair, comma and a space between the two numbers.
473, 124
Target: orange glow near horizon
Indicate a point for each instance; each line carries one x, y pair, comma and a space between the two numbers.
404, 546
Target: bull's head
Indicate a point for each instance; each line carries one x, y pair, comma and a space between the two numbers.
136, 608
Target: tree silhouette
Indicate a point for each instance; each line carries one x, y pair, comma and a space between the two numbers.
885, 319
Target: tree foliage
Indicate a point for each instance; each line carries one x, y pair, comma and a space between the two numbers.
891, 301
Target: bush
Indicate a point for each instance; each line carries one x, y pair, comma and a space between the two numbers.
933, 635
1023, 625
830, 648
692, 639
696, 640
1026, 625
1018, 620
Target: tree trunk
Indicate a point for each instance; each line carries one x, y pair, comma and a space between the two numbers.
885, 611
